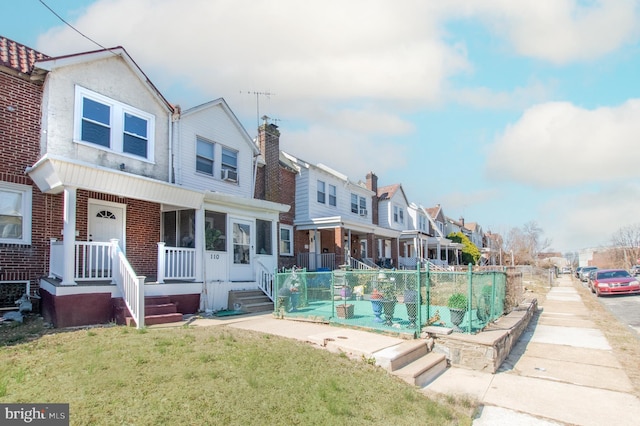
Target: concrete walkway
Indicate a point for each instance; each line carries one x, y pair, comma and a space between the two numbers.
561, 371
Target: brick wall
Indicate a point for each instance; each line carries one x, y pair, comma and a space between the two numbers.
20, 147
142, 229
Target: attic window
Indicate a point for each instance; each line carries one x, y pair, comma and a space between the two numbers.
107, 124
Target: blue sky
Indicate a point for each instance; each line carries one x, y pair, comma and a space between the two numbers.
503, 112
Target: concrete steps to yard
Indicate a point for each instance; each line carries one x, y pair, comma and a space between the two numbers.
412, 361
249, 301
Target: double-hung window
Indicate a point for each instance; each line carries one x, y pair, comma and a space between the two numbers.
229, 165
363, 206
111, 125
204, 156
286, 240
15, 213
332, 195
321, 192
354, 203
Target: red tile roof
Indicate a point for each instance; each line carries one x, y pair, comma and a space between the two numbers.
18, 57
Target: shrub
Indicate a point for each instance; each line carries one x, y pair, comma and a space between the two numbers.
457, 301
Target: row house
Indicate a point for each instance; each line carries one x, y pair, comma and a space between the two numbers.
132, 197
23, 230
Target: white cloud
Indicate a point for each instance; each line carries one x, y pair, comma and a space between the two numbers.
558, 31
590, 218
558, 144
329, 50
351, 153
486, 98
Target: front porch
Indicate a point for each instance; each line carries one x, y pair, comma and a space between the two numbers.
100, 302
105, 288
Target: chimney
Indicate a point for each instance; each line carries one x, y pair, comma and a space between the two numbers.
462, 220
372, 182
372, 185
269, 144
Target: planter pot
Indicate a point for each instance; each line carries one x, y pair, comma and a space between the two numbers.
376, 306
411, 303
412, 313
484, 309
389, 307
294, 299
457, 315
345, 292
345, 311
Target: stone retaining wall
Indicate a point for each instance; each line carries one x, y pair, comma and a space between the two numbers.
486, 350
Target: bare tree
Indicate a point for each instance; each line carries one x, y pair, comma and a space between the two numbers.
626, 240
524, 244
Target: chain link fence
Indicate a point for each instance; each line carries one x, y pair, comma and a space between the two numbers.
400, 301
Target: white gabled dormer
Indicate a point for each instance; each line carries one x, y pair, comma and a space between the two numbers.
213, 151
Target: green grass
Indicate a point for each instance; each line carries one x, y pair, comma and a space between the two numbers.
206, 375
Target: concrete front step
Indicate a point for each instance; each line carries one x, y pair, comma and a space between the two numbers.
250, 301
423, 370
157, 319
396, 357
412, 362
165, 308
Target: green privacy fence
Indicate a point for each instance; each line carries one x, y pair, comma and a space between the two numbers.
401, 301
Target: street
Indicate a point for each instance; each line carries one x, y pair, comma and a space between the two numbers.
626, 308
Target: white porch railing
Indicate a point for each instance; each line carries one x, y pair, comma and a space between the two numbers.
130, 285
92, 261
408, 262
357, 265
313, 261
176, 263
435, 265
265, 279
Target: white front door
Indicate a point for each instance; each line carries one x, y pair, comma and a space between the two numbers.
106, 221
242, 250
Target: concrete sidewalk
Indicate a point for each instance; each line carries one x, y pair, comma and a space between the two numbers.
561, 371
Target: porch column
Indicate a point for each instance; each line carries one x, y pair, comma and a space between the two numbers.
199, 244
69, 236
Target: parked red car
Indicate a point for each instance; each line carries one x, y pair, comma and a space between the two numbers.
614, 281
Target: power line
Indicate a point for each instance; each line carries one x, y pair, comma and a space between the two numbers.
71, 26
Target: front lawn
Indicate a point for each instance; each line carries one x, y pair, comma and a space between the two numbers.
205, 375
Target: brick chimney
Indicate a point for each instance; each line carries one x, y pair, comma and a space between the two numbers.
269, 144
372, 185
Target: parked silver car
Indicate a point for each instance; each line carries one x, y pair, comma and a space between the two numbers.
584, 273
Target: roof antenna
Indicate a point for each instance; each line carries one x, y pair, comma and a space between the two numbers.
258, 94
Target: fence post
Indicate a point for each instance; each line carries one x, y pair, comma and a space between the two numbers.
493, 296
418, 302
161, 262
469, 295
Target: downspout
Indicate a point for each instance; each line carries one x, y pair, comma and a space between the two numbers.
255, 175
171, 177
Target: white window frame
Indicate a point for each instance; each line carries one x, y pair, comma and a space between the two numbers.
322, 193
26, 206
213, 155
117, 117
333, 195
354, 205
290, 230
